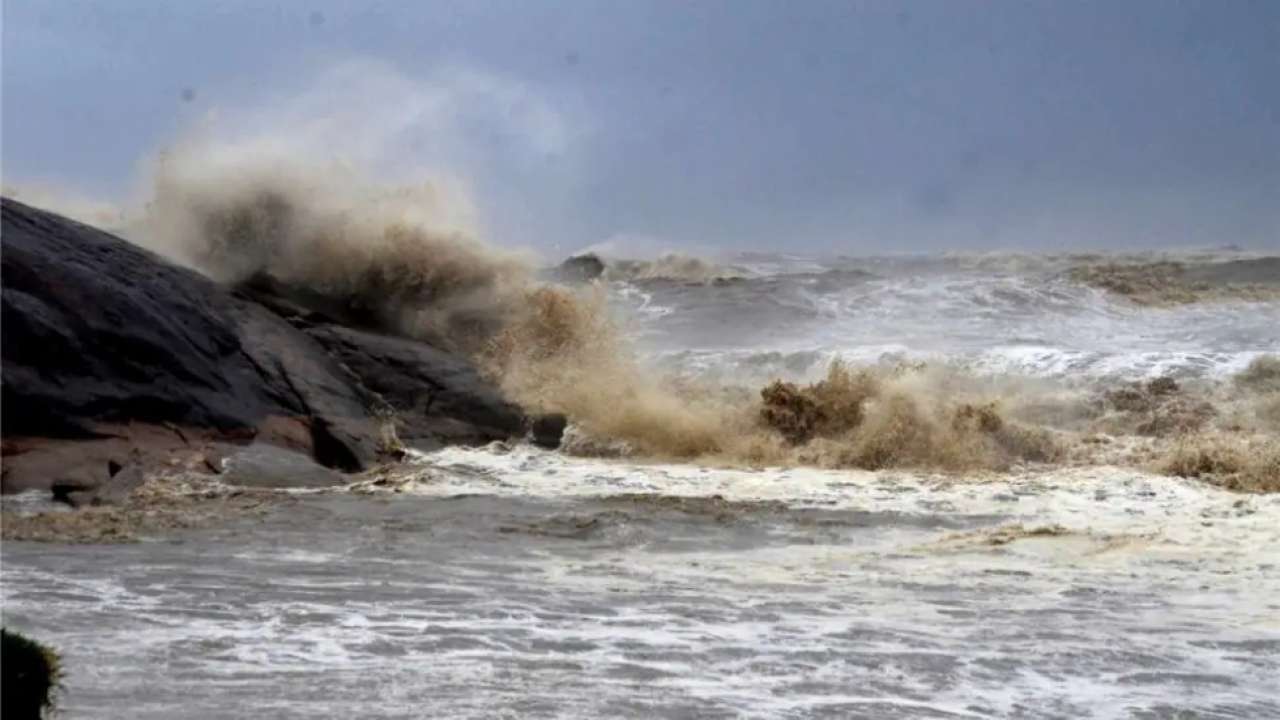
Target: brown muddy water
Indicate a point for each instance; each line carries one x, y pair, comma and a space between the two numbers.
510, 582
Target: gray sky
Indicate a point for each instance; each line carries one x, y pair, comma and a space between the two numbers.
818, 126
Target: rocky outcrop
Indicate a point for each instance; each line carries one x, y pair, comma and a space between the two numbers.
434, 394
98, 332
114, 358
580, 268
436, 397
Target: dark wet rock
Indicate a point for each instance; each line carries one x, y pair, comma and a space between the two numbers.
86, 485
103, 339
434, 394
437, 397
548, 430
581, 268
31, 675
303, 308
300, 307
113, 355
90, 472
267, 466
97, 331
341, 430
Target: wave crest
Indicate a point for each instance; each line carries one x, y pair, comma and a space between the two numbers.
409, 260
406, 257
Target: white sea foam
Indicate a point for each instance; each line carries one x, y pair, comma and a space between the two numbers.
1092, 592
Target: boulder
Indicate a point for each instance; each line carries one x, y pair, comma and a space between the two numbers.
106, 341
548, 430
114, 359
266, 466
580, 268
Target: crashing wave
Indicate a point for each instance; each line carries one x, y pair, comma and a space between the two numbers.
408, 260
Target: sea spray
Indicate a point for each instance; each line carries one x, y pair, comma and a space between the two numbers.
403, 259
407, 258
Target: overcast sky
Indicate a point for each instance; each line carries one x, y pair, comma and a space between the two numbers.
825, 126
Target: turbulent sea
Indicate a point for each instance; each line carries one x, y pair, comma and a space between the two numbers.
509, 581
789, 316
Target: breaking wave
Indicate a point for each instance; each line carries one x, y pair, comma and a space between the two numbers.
405, 256
405, 259
1179, 283
408, 259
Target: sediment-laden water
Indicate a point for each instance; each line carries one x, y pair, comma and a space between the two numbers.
521, 584
512, 582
